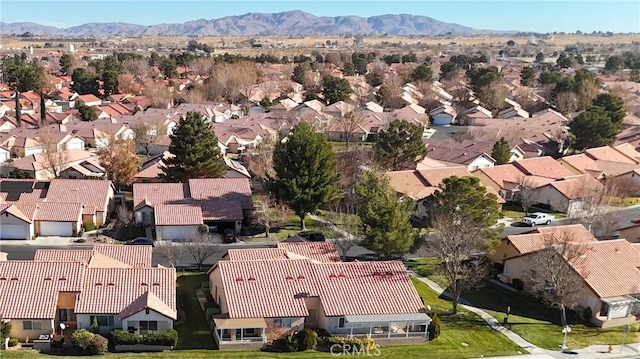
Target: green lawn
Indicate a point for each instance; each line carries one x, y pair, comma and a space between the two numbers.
426, 267
342, 146
292, 227
464, 328
193, 333
629, 201
539, 324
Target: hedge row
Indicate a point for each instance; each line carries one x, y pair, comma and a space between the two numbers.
354, 343
165, 338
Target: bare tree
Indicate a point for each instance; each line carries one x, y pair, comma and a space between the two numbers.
593, 207
135, 67
492, 96
270, 213
202, 246
55, 155
171, 251
566, 102
527, 193
260, 161
202, 66
457, 243
158, 94
127, 84
343, 227
124, 216
147, 133
557, 271
349, 124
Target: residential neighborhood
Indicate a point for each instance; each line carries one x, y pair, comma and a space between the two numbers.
274, 183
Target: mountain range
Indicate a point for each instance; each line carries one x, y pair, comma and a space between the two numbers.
283, 23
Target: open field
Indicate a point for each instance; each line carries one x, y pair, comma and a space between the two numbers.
220, 42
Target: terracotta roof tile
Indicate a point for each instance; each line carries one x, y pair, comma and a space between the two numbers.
150, 301
58, 212
544, 167
177, 215
319, 251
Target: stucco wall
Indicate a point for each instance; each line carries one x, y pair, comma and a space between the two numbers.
21, 334
164, 323
167, 233
11, 220
503, 251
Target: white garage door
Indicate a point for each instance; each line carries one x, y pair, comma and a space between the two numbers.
13, 231
56, 229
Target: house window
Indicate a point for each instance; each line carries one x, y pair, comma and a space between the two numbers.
148, 326
250, 331
31, 325
283, 322
66, 315
103, 320
312, 316
341, 323
146, 311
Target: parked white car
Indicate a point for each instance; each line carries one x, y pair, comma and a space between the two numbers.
536, 218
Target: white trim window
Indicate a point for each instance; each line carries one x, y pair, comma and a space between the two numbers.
148, 326
31, 325
283, 322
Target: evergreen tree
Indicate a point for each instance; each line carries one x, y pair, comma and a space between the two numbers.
335, 89
84, 82
299, 74
540, 57
18, 110
43, 111
385, 224
110, 82
593, 128
400, 146
501, 151
195, 151
613, 105
66, 63
87, 113
527, 76
305, 167
422, 73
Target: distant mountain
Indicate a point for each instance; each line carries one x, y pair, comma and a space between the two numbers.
283, 23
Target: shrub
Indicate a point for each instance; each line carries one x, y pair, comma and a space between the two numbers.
166, 338
355, 344
89, 226
434, 327
323, 336
587, 313
81, 339
517, 283
80, 232
122, 337
286, 343
203, 228
13, 342
306, 340
97, 345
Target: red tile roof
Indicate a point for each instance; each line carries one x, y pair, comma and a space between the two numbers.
277, 288
544, 167
229, 189
58, 212
538, 238
29, 290
129, 256
89, 192
148, 300
177, 215
320, 251
111, 290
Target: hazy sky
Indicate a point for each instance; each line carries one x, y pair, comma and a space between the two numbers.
524, 15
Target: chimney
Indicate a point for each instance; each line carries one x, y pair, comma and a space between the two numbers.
3, 256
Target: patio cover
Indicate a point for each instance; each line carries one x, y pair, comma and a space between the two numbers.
620, 300
239, 323
387, 318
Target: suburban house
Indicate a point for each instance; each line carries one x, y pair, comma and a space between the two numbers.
59, 207
474, 154
67, 163
608, 269
443, 115
420, 184
263, 291
177, 210
89, 100
113, 286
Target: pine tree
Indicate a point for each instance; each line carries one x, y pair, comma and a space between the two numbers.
501, 151
593, 128
195, 151
305, 167
43, 110
385, 225
335, 89
527, 76
18, 110
400, 146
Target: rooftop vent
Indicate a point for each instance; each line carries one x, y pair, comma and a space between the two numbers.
300, 277
239, 280
289, 277
251, 279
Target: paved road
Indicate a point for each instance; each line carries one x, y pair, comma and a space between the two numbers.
625, 216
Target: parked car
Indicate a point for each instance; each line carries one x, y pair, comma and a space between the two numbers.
536, 218
140, 241
313, 236
230, 236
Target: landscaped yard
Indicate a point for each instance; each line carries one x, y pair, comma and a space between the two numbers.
539, 324
193, 333
463, 336
427, 267
291, 228
629, 201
